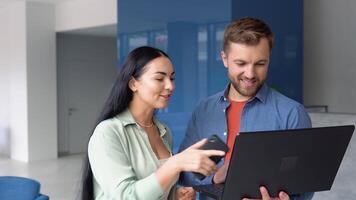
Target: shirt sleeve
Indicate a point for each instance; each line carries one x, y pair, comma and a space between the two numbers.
172, 193
298, 118
304, 196
192, 135
112, 169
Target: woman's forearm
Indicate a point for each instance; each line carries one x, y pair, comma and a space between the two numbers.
167, 174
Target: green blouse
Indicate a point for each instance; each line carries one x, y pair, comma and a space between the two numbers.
122, 160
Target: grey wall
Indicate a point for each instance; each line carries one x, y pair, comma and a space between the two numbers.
86, 68
330, 54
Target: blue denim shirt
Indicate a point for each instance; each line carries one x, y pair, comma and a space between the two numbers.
268, 110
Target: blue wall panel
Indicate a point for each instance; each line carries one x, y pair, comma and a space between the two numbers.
191, 33
286, 21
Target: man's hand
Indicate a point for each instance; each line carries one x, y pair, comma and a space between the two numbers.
185, 193
265, 196
220, 175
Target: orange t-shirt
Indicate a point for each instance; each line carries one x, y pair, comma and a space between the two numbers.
233, 125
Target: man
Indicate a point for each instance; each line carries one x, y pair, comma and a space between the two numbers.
247, 103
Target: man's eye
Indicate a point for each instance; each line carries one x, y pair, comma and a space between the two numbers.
159, 79
240, 64
172, 78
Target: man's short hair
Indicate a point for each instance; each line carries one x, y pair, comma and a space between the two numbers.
247, 31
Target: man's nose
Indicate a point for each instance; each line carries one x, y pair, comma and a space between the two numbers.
250, 72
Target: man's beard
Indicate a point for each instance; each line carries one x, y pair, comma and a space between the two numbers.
247, 93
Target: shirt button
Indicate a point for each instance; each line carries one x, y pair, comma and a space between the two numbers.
224, 98
224, 133
224, 110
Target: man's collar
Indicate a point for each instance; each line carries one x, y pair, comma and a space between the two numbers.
261, 94
224, 94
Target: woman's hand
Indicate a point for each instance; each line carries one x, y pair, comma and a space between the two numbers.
265, 195
193, 159
185, 193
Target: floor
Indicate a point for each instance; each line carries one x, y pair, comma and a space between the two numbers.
60, 178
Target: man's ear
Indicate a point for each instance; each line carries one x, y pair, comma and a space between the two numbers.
224, 58
132, 84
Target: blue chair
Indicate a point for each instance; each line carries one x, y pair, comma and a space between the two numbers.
20, 188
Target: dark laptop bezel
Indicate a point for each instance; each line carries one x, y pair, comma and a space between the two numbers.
231, 189
326, 134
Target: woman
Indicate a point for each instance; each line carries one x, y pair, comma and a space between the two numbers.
129, 152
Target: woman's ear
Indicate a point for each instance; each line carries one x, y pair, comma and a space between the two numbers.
132, 84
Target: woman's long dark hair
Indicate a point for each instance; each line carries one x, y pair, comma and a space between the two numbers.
118, 100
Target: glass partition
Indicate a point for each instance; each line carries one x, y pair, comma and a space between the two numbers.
191, 32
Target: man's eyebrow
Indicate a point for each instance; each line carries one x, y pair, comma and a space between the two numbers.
239, 60
263, 60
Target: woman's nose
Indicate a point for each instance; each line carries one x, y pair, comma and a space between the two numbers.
170, 85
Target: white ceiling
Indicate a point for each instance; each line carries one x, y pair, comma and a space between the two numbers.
103, 31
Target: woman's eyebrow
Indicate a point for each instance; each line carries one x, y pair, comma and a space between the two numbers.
163, 73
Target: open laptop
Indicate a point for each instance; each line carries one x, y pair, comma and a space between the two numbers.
295, 161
